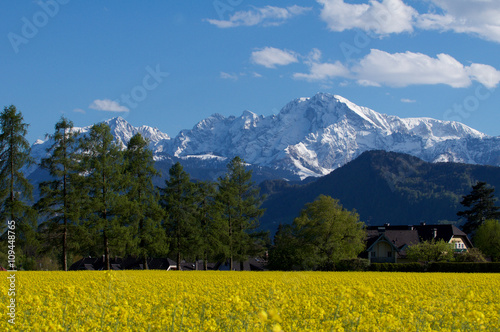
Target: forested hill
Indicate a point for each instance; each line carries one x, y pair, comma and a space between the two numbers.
383, 187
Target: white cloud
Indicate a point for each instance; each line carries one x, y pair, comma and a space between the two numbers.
79, 110
228, 76
107, 105
406, 100
266, 16
388, 16
478, 17
321, 71
380, 68
484, 74
404, 69
271, 57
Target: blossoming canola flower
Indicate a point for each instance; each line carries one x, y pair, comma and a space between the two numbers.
253, 301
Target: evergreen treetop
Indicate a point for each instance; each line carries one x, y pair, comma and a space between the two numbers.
481, 203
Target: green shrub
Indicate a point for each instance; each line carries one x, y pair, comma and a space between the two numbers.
355, 264
457, 267
464, 267
397, 267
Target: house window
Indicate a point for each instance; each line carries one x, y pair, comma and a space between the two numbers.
389, 254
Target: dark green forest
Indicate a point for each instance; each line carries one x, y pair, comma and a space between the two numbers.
383, 187
100, 200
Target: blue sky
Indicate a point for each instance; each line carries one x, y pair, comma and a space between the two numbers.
170, 64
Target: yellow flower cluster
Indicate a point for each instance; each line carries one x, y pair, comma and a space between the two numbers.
252, 301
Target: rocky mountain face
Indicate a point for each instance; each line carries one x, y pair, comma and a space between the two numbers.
308, 137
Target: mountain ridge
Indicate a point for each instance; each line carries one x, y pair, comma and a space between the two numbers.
383, 187
310, 137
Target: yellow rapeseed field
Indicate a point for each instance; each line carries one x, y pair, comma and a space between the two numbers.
252, 301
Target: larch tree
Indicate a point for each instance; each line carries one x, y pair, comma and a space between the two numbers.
59, 198
145, 214
240, 202
210, 223
15, 190
178, 201
103, 182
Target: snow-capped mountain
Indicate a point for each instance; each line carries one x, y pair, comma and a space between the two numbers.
124, 131
121, 130
312, 137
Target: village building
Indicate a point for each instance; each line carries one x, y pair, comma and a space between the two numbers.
131, 263
388, 244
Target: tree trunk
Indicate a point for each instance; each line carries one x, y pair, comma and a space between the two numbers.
178, 259
65, 203
143, 243
105, 218
106, 252
65, 245
231, 263
11, 156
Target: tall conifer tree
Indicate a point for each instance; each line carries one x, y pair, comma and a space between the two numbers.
59, 197
240, 203
15, 189
103, 181
178, 200
209, 221
481, 203
145, 214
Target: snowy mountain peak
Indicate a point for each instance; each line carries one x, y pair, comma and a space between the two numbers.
248, 114
311, 137
209, 122
116, 121
124, 131
121, 130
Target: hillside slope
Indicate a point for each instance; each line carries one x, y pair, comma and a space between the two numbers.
383, 187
